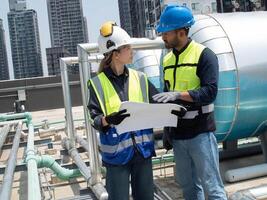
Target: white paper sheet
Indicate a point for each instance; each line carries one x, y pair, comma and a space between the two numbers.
144, 115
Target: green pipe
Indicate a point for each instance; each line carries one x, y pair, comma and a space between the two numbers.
169, 158
34, 192
65, 174
61, 172
27, 115
34, 161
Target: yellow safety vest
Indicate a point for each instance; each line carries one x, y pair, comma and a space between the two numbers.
118, 149
181, 72
109, 99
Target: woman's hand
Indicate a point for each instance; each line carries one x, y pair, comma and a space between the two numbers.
115, 118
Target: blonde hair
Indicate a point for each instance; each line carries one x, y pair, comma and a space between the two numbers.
105, 62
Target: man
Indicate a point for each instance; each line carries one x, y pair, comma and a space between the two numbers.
190, 77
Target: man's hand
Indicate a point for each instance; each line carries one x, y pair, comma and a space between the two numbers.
166, 96
116, 117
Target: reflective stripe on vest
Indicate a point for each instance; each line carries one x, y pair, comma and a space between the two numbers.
181, 73
125, 144
205, 109
107, 96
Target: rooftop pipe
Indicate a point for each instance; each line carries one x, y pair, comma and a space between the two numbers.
11, 164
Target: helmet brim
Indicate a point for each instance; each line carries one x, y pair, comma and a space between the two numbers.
163, 29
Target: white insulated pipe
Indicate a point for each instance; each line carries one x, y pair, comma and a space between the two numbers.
64, 62
253, 193
95, 179
11, 164
85, 75
13, 122
136, 43
146, 44
100, 191
67, 98
260, 192
3, 134
245, 173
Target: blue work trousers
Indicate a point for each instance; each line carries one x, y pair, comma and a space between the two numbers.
139, 170
197, 167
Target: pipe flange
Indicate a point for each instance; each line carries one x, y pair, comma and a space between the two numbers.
30, 157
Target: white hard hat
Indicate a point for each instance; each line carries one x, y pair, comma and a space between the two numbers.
112, 37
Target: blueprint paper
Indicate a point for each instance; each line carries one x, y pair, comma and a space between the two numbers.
145, 115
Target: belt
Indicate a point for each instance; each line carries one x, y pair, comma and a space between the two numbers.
193, 113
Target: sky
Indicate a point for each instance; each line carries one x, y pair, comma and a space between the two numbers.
95, 11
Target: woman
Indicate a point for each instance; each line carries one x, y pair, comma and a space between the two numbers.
126, 156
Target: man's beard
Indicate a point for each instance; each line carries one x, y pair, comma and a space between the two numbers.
171, 44
168, 46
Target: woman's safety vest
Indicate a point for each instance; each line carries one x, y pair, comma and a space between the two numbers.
118, 149
180, 74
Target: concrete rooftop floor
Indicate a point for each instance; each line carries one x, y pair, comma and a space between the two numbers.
53, 188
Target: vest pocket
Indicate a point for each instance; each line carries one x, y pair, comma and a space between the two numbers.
110, 138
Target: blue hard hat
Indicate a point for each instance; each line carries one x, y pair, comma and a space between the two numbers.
175, 17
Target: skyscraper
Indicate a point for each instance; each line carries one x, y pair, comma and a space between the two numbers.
67, 24
4, 74
137, 16
240, 5
15, 5
132, 17
197, 6
152, 12
52, 55
24, 40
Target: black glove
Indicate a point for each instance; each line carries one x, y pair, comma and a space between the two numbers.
166, 139
116, 117
179, 113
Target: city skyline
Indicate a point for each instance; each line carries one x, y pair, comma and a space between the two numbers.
95, 14
94, 11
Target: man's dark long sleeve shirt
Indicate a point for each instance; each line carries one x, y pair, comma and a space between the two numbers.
121, 85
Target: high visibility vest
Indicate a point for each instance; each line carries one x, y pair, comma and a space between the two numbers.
181, 73
118, 149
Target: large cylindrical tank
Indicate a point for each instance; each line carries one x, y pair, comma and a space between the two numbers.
148, 61
240, 43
